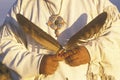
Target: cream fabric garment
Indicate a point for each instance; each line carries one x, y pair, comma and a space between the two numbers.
104, 50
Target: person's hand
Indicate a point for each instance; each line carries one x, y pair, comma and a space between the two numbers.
49, 63
77, 56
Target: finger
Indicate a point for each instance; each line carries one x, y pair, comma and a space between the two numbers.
62, 55
77, 61
58, 58
71, 62
61, 52
72, 52
55, 64
76, 53
67, 54
68, 60
74, 64
50, 69
74, 56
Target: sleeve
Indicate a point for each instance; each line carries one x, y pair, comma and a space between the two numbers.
105, 49
14, 54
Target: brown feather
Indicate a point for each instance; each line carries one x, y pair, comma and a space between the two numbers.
37, 34
88, 31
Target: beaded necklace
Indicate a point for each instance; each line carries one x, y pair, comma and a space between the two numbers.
55, 21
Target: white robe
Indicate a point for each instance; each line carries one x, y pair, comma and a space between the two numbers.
104, 50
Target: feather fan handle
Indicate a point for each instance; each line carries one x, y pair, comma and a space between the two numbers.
87, 33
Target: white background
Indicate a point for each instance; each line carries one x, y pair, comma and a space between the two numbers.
5, 5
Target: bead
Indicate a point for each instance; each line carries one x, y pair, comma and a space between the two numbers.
56, 22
